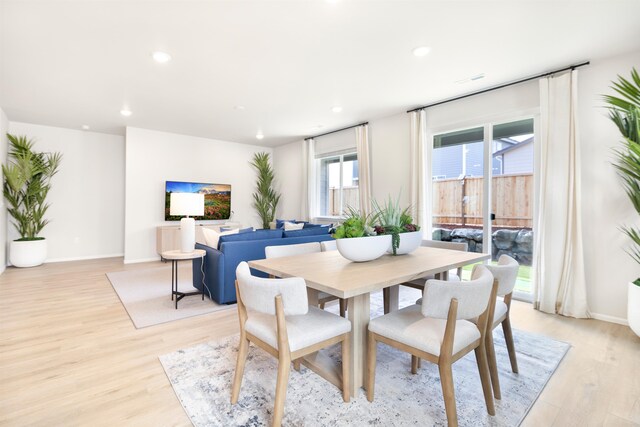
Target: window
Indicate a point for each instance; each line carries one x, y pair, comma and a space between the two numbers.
337, 184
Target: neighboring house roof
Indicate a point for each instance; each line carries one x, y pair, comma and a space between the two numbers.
513, 147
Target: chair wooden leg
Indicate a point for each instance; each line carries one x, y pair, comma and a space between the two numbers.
485, 379
371, 365
446, 379
414, 364
508, 338
321, 306
296, 364
343, 307
493, 365
243, 350
419, 363
284, 367
346, 368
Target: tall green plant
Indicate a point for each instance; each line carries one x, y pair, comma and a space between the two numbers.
624, 112
265, 198
27, 181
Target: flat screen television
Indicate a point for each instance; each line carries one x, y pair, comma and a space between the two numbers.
217, 199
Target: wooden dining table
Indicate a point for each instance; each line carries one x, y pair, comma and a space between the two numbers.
331, 273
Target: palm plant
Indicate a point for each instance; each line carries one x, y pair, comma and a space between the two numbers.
624, 111
27, 180
265, 198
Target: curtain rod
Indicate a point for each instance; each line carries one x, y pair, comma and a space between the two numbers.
337, 130
570, 67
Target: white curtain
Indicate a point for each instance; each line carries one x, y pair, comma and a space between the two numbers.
420, 169
364, 168
559, 285
308, 175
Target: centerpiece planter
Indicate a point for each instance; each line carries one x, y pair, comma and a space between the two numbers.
409, 242
633, 308
27, 253
360, 249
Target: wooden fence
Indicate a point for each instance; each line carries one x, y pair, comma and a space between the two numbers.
351, 198
459, 202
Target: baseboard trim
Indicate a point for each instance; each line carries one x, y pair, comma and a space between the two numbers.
83, 258
137, 261
610, 319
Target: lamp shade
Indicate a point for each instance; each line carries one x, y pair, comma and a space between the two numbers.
190, 204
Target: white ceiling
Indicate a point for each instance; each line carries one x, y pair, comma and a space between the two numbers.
74, 63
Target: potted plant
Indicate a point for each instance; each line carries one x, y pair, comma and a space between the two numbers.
390, 219
624, 111
266, 198
27, 180
356, 239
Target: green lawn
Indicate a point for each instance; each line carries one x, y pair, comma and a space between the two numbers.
523, 283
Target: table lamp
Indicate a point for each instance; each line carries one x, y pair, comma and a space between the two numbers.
189, 204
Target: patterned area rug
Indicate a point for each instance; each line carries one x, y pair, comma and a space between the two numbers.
201, 377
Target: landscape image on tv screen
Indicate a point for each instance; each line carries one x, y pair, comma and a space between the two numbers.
217, 199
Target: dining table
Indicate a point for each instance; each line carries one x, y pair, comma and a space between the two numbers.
330, 272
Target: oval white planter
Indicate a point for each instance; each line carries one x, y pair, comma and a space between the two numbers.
29, 253
409, 242
633, 308
360, 249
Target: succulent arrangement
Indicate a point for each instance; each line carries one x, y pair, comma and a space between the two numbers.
388, 218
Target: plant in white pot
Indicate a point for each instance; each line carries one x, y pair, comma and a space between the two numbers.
390, 219
624, 111
27, 180
356, 239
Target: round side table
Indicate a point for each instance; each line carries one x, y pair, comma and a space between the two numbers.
175, 257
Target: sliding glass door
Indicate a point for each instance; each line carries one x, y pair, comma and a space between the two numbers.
482, 192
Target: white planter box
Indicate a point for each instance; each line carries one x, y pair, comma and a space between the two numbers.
633, 308
27, 253
409, 242
360, 249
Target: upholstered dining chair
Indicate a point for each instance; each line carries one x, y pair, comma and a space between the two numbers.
328, 245
440, 331
419, 283
506, 274
301, 249
275, 316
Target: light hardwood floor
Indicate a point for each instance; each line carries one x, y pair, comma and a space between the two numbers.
69, 355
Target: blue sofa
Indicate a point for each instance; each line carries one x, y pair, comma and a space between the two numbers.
220, 263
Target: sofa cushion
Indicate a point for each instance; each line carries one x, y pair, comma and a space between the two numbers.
242, 230
290, 226
313, 231
212, 237
254, 235
280, 222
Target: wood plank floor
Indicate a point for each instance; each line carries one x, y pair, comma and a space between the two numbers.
69, 355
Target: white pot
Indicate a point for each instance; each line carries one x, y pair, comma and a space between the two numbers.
359, 249
633, 308
409, 242
27, 253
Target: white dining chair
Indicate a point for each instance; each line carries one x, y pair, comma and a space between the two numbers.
440, 331
419, 283
301, 249
328, 245
506, 274
275, 316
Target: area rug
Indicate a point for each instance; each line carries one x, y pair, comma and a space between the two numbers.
202, 375
146, 295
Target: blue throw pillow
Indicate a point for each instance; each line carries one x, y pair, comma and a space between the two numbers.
254, 235
280, 222
310, 225
313, 231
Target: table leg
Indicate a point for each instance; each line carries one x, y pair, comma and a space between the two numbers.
394, 298
176, 284
359, 316
173, 266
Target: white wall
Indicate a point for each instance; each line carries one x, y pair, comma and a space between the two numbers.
4, 128
288, 167
604, 204
154, 157
87, 194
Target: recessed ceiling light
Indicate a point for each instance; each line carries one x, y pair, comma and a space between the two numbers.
238, 107
125, 112
421, 51
161, 57
259, 135
336, 109
85, 127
